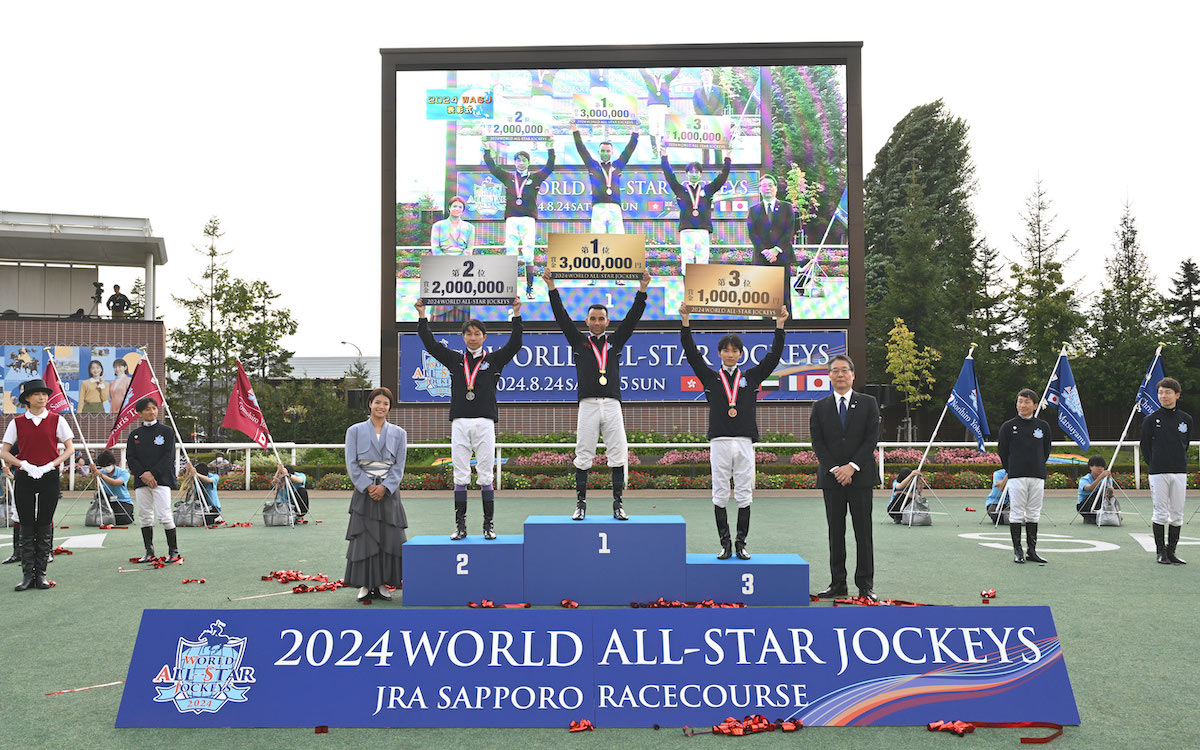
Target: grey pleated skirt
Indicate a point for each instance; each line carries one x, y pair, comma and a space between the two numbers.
376, 534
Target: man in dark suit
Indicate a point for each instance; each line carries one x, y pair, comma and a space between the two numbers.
707, 99
772, 223
845, 430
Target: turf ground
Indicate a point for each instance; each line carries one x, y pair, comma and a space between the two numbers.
1128, 627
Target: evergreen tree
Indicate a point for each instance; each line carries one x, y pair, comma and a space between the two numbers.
1046, 309
991, 323
1125, 325
228, 319
1182, 306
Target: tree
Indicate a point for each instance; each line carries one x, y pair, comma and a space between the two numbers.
990, 323
1045, 308
1182, 306
1125, 326
306, 411
228, 319
911, 368
137, 300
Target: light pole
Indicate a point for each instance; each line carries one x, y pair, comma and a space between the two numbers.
348, 343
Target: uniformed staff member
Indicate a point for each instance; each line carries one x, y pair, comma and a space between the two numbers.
1165, 437
598, 380
520, 206
605, 179
38, 432
732, 423
150, 453
695, 210
1024, 448
473, 415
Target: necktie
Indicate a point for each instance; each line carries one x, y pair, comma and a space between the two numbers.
842, 409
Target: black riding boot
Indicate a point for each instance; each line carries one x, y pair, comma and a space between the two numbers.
489, 526
148, 540
1160, 544
45, 537
722, 515
743, 529
1172, 542
460, 520
16, 553
1014, 529
581, 477
28, 555
1031, 554
618, 487
172, 546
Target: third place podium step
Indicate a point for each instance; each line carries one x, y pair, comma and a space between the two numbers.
601, 560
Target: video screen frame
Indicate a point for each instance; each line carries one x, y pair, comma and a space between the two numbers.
847, 54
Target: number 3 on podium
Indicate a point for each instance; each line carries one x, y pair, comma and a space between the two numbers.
462, 564
604, 550
747, 582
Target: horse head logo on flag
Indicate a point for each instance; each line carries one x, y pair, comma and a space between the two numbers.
1070, 399
207, 673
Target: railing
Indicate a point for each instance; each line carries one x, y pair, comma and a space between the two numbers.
291, 448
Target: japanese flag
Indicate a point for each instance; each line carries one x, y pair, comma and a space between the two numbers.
816, 382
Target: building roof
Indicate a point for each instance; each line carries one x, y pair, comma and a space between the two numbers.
73, 238
331, 368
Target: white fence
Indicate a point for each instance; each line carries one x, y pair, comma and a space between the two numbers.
289, 451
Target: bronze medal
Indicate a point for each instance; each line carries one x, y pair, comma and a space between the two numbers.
732, 412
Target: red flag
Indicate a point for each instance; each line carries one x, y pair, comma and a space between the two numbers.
141, 385
58, 402
243, 413
690, 383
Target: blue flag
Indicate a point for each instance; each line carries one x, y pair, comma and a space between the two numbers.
1064, 394
842, 212
1147, 397
967, 403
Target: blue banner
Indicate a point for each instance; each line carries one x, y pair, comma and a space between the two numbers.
1064, 394
566, 194
1147, 395
845, 666
966, 403
653, 367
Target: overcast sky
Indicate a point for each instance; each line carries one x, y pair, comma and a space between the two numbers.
267, 115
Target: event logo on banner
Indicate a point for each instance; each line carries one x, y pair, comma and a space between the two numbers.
844, 666
653, 367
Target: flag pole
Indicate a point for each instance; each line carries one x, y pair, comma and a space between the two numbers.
1134, 410
910, 491
1053, 375
78, 429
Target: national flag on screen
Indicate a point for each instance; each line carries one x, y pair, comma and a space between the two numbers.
842, 212
58, 402
966, 402
655, 205
1147, 395
142, 384
771, 384
734, 205
690, 384
243, 413
1064, 394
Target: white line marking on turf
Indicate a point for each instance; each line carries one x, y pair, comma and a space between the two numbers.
1002, 540
1147, 540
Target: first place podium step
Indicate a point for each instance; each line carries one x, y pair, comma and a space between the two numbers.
601, 560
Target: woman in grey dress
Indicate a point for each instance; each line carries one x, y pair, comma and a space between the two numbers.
375, 452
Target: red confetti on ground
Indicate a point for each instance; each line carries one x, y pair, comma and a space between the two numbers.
291, 576
110, 526
61, 551
489, 604
969, 509
239, 525
662, 603
321, 730
581, 726
569, 604
320, 521
193, 580
989, 594
64, 527
301, 520
366, 602
53, 584
752, 724
863, 602
303, 588
961, 728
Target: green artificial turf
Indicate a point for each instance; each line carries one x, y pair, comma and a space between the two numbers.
1128, 626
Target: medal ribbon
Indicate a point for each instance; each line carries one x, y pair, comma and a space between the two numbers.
471, 374
520, 185
732, 390
608, 176
600, 354
695, 195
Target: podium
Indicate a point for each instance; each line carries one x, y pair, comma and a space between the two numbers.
442, 573
764, 579
596, 561
601, 560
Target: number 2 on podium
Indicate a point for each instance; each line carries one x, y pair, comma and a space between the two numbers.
462, 564
604, 550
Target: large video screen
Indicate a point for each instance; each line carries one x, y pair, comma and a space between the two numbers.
494, 161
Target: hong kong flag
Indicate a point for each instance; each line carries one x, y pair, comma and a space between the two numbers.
690, 383
141, 385
243, 413
58, 402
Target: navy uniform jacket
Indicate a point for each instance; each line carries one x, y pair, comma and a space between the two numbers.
151, 448
1165, 437
684, 197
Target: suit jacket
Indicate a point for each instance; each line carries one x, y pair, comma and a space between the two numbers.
390, 446
713, 104
773, 231
856, 443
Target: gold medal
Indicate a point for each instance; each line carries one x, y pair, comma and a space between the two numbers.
603, 380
